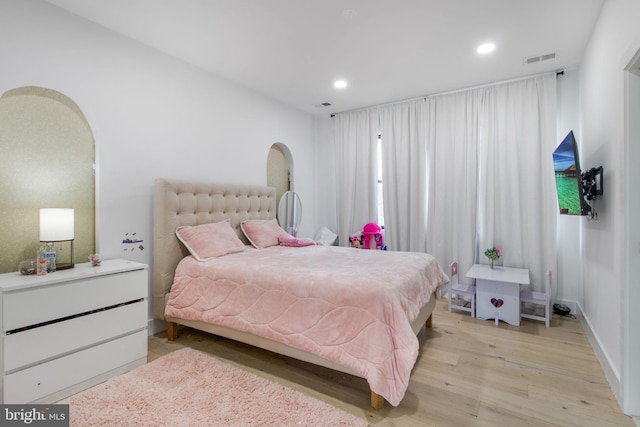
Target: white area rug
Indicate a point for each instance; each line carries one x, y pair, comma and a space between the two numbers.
191, 388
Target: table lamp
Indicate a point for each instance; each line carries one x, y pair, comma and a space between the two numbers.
57, 225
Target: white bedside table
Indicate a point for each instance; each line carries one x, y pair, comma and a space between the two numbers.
72, 329
498, 292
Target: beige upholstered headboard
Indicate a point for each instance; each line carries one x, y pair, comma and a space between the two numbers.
178, 202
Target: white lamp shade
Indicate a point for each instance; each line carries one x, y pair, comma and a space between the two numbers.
56, 225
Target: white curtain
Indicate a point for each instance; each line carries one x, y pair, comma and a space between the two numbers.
491, 180
453, 178
516, 188
356, 136
404, 174
462, 172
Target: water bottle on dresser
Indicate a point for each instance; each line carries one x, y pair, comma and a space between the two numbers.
50, 255
41, 263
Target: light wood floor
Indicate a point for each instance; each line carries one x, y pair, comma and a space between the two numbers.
469, 373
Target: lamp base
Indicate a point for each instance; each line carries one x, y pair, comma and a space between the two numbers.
64, 266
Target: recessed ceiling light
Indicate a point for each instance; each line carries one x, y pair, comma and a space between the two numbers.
340, 84
486, 48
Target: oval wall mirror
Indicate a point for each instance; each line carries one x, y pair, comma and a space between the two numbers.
290, 212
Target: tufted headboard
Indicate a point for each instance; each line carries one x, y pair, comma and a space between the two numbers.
178, 202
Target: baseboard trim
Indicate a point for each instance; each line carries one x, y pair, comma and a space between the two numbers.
155, 326
613, 377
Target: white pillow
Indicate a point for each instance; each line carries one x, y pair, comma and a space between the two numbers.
326, 237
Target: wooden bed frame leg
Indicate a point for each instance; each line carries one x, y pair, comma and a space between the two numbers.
377, 401
429, 322
172, 331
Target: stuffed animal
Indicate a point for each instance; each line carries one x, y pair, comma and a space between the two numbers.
356, 241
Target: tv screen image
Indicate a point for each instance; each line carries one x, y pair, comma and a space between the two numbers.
566, 164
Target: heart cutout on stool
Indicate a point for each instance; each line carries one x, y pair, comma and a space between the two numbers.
497, 303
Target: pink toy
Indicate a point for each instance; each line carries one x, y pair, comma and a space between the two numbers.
372, 231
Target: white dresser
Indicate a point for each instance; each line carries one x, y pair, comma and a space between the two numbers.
69, 330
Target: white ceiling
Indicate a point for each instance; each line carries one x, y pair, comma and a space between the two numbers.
293, 50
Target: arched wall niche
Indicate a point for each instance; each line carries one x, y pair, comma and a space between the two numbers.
280, 169
48, 161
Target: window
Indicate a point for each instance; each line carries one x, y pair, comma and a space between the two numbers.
379, 175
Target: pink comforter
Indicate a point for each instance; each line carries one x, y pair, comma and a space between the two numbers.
353, 307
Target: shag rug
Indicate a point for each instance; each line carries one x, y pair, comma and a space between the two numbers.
191, 388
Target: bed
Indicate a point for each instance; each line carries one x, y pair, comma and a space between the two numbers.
290, 300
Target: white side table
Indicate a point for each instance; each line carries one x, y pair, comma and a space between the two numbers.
498, 292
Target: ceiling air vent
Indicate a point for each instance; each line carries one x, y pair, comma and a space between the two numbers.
539, 58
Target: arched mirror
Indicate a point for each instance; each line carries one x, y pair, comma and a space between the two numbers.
290, 212
47, 161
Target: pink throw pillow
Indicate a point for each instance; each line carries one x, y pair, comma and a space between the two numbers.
207, 241
262, 233
294, 242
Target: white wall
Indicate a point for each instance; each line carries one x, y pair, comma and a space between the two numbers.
152, 116
614, 41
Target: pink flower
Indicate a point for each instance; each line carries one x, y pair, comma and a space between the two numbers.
493, 253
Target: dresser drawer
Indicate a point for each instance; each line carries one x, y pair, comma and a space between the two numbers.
84, 367
47, 342
40, 304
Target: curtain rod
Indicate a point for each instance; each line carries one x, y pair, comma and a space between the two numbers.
558, 73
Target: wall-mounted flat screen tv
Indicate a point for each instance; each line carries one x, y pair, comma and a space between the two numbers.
566, 164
